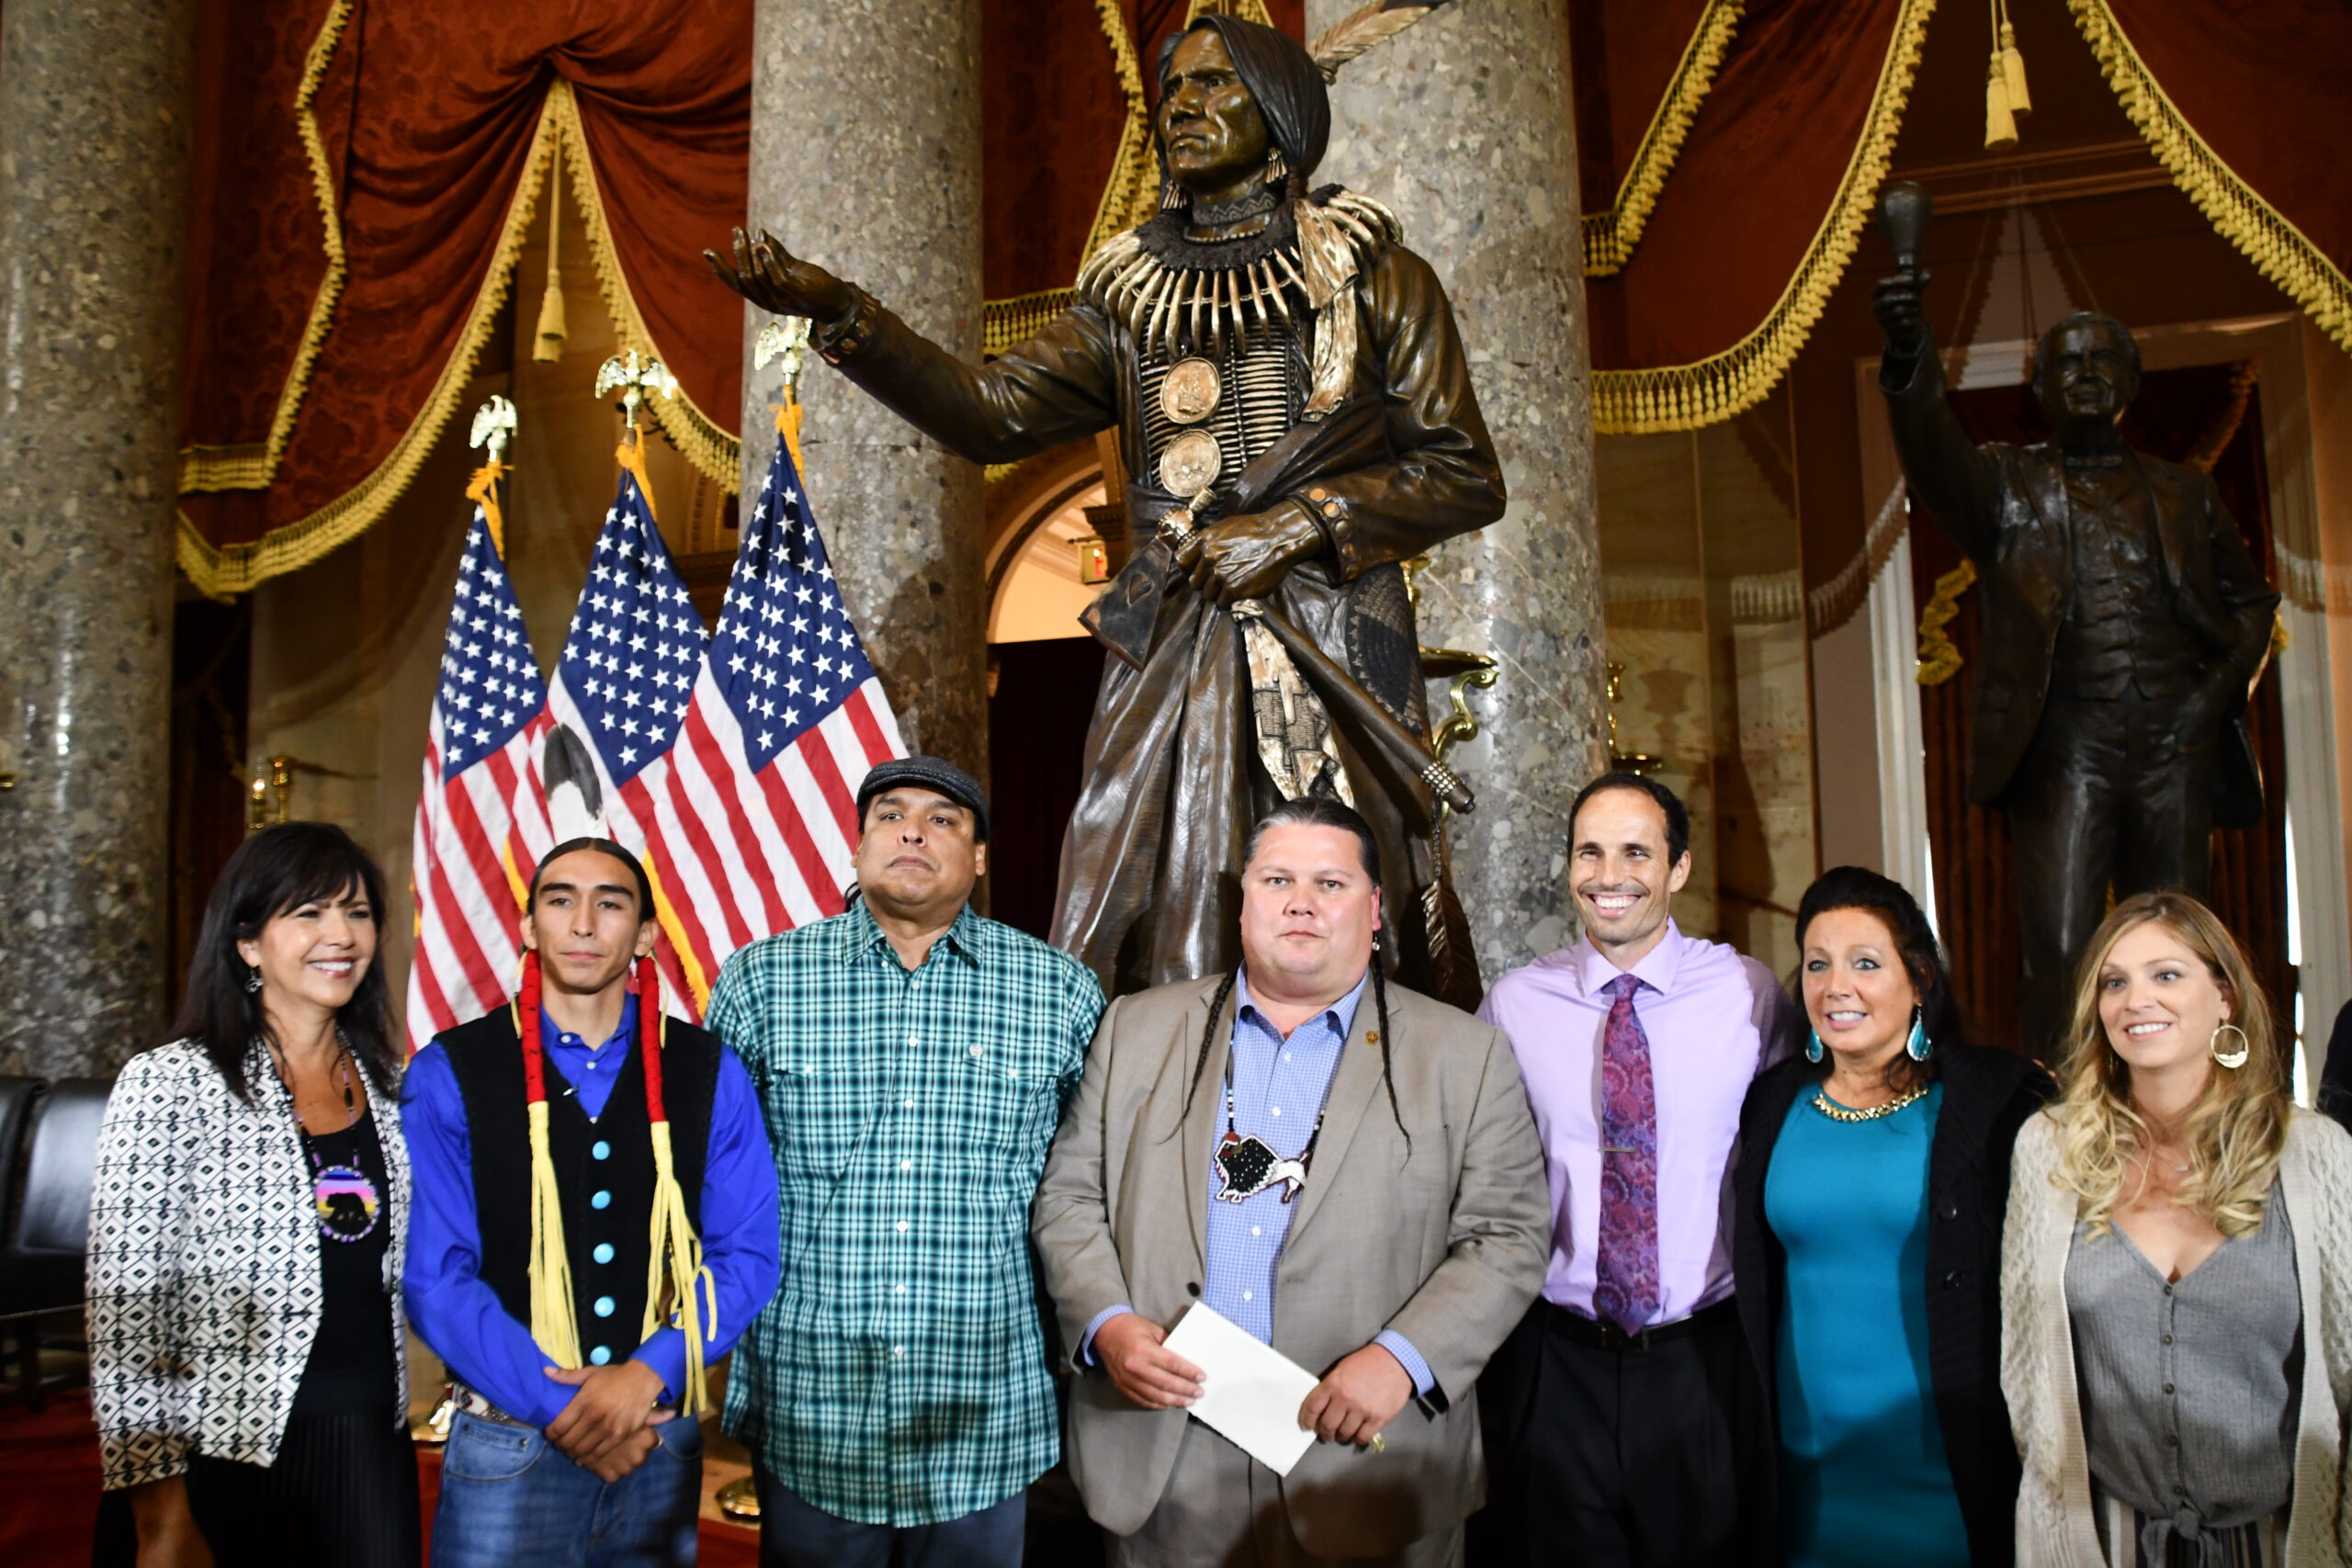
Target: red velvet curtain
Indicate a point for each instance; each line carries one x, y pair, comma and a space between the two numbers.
427, 116
1623, 59
2241, 100
256, 246
1051, 109
1762, 165
2245, 101
2176, 414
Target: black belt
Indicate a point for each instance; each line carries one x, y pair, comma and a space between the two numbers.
1574, 1325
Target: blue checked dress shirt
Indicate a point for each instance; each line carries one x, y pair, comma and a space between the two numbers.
900, 1376
463, 1319
1278, 1087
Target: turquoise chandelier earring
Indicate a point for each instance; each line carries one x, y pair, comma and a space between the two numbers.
1812, 1047
1918, 1046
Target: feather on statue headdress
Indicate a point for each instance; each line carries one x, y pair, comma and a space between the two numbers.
1359, 30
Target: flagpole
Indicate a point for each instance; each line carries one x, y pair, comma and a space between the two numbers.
479, 808
637, 377
494, 427
786, 336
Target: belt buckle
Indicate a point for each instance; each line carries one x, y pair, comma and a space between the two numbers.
474, 1402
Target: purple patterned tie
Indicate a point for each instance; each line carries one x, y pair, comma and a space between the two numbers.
1626, 1291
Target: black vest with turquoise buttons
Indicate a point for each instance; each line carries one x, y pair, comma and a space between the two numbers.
603, 1171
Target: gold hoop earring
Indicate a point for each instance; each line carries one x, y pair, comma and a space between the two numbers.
2236, 1059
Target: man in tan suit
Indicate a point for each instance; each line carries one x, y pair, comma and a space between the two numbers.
1345, 1169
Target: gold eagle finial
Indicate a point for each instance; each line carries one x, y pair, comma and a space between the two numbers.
494, 426
636, 375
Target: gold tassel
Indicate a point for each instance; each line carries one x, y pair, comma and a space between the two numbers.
552, 330
2013, 71
2000, 125
787, 425
553, 1322
675, 1265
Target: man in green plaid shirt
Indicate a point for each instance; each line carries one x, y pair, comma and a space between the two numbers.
912, 1060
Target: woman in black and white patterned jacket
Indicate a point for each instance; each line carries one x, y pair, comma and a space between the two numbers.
246, 1359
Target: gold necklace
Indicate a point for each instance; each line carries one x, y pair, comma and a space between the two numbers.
1837, 1112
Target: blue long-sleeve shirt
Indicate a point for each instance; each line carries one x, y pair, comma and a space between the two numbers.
1278, 1087
457, 1312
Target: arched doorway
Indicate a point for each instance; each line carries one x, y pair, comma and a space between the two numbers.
1043, 670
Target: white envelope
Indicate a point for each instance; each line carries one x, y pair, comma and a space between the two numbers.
1254, 1391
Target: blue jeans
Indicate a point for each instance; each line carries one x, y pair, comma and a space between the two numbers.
509, 1497
796, 1534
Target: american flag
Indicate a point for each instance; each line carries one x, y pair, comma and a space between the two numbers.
622, 687
482, 823
787, 718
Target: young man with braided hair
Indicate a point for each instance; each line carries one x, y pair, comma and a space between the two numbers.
1345, 1169
594, 1222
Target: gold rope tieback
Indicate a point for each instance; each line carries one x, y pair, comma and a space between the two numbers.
1940, 658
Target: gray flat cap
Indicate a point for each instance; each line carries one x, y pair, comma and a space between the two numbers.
935, 774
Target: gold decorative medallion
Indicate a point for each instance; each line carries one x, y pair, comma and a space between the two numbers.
1191, 463
1189, 390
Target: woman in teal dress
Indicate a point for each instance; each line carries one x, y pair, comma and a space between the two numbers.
1872, 1182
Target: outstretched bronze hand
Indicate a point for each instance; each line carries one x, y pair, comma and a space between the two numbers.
779, 282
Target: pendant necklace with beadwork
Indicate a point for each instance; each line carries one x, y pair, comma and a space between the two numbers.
347, 1204
1247, 1167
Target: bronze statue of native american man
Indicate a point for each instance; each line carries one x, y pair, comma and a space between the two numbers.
1295, 414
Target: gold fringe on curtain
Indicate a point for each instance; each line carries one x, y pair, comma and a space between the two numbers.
221, 570
2224, 428
1004, 323
2280, 249
704, 442
249, 467
1610, 237
1133, 194
1685, 397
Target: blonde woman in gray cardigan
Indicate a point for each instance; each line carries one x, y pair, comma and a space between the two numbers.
2176, 1273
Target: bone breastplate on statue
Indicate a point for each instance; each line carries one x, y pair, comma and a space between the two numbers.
1235, 339
1213, 408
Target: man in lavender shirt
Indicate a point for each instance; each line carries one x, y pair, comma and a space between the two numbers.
1624, 1426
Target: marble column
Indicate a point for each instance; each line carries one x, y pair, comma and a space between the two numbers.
95, 97
865, 158
1461, 125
